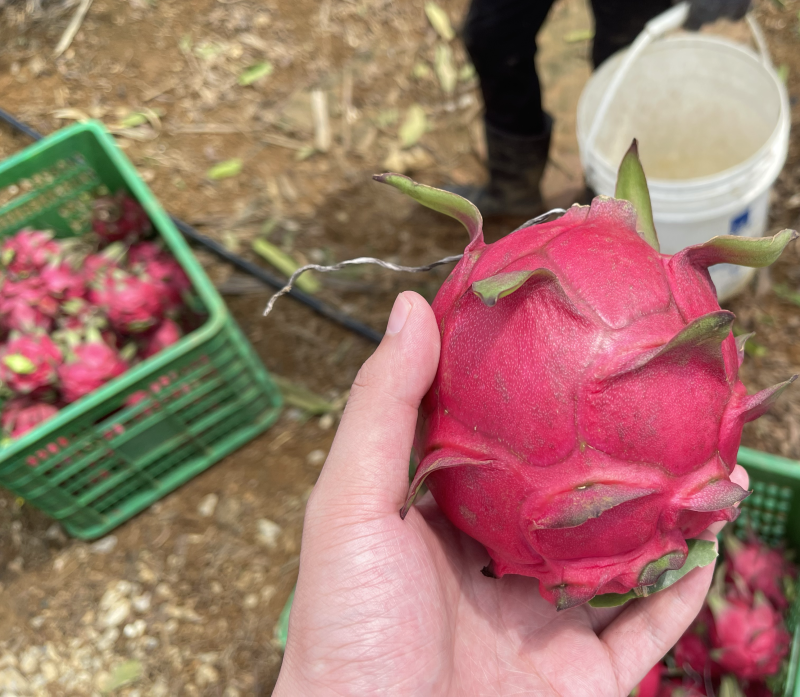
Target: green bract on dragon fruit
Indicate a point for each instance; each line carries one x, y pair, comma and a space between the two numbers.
586, 412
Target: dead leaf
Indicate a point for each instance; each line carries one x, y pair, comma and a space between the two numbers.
422, 71
285, 264
226, 169
140, 133
387, 117
578, 35
405, 161
255, 72
445, 68
70, 114
466, 73
439, 21
124, 674
413, 127
322, 124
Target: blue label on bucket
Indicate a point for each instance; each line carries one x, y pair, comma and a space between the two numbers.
740, 221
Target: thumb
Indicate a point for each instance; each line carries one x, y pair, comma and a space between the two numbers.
366, 473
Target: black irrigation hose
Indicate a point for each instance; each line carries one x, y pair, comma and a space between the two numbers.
253, 269
268, 279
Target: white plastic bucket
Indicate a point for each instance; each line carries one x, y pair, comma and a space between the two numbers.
712, 119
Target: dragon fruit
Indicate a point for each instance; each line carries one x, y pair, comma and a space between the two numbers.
148, 260
748, 640
692, 651
22, 414
586, 412
166, 334
28, 251
143, 252
676, 688
97, 266
29, 363
26, 305
761, 568
63, 282
88, 366
119, 217
133, 304
649, 684
692, 648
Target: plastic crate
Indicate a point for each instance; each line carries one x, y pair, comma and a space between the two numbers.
97, 462
772, 511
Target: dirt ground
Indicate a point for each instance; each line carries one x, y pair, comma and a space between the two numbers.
183, 599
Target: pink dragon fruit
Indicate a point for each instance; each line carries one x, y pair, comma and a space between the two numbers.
166, 334
692, 648
28, 251
29, 363
748, 640
26, 305
63, 282
150, 261
692, 651
676, 688
120, 217
761, 568
89, 365
133, 304
649, 684
97, 266
22, 414
143, 252
586, 412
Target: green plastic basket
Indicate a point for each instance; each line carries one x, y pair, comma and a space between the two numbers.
97, 462
773, 512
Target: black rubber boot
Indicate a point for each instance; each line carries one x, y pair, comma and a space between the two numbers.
516, 166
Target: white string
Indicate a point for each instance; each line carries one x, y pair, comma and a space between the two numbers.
387, 264
353, 262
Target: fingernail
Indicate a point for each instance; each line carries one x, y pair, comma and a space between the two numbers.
400, 312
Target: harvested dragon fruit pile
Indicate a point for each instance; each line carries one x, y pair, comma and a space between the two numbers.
738, 645
78, 312
586, 415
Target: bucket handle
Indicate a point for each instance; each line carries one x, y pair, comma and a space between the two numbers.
672, 19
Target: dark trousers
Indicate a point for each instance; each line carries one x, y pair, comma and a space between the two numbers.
500, 36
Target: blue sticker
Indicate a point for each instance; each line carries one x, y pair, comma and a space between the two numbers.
740, 221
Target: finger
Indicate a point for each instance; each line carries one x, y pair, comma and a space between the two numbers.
649, 627
367, 469
738, 476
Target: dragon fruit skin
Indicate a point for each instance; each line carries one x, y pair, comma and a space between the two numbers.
120, 217
28, 251
692, 648
91, 365
586, 411
649, 684
22, 414
761, 568
132, 304
675, 688
148, 260
749, 640
26, 305
166, 334
142, 252
29, 363
63, 282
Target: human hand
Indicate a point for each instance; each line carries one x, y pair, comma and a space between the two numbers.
704, 11
399, 608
